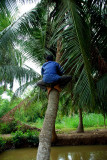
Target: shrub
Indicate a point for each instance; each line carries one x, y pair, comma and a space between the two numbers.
17, 139
32, 137
4, 106
2, 143
22, 139
6, 128
93, 120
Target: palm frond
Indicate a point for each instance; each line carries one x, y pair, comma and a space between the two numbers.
10, 72
75, 35
101, 86
11, 59
30, 32
24, 86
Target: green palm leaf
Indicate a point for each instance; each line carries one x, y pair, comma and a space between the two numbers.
76, 52
19, 73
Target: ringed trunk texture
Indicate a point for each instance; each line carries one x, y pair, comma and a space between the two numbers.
59, 53
48, 125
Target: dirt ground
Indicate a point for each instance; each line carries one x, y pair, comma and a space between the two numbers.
93, 137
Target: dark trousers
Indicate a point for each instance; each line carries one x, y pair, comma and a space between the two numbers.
62, 82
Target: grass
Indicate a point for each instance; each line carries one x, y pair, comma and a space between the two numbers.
91, 120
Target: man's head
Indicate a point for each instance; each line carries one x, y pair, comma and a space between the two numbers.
49, 58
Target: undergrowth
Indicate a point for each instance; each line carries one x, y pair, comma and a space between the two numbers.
89, 120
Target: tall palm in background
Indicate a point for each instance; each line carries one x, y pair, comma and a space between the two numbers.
80, 27
11, 56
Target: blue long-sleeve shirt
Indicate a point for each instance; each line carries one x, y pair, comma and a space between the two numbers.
51, 71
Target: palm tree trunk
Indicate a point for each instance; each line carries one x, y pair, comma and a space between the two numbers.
54, 135
48, 125
104, 120
58, 57
59, 53
80, 128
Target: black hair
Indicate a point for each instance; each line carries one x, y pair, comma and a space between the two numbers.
49, 58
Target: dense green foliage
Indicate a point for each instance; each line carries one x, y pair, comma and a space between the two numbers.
6, 104
2, 142
71, 122
62, 122
81, 29
30, 113
7, 128
80, 26
20, 138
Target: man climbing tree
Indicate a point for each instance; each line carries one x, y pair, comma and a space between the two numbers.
53, 81
53, 76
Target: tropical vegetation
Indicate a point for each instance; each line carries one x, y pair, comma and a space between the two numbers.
75, 32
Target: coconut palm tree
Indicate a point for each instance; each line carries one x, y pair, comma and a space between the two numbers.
11, 58
75, 65
78, 35
84, 89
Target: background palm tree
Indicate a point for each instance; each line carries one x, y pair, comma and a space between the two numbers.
11, 58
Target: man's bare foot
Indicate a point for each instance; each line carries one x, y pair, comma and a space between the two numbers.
49, 89
57, 87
